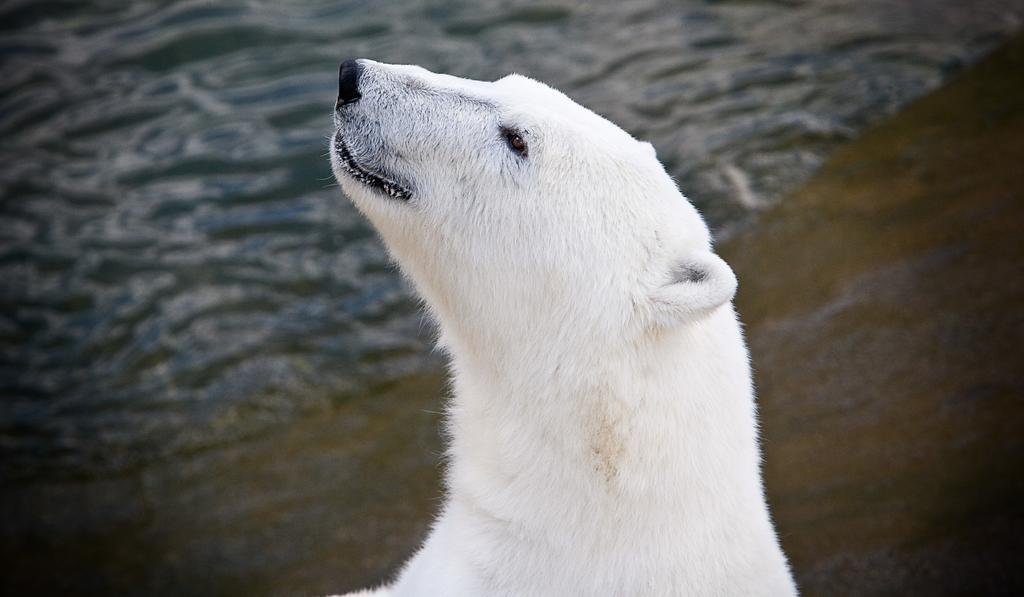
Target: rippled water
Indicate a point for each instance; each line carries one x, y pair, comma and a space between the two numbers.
178, 270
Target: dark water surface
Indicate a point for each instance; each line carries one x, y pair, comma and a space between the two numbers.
200, 339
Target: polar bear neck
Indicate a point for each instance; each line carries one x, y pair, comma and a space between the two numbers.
650, 450
572, 404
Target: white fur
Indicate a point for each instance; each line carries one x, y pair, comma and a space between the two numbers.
602, 428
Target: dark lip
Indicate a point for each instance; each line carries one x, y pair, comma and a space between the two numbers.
369, 178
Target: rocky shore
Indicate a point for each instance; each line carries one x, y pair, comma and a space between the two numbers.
884, 305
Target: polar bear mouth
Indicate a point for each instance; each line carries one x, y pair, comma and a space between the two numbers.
366, 176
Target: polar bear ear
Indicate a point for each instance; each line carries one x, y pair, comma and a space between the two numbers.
698, 284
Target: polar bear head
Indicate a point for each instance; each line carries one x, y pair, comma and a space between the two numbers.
519, 214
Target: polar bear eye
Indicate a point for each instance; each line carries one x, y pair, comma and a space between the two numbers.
515, 141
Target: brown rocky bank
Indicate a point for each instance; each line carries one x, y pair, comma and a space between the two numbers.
884, 305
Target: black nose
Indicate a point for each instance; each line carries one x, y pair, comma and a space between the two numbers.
348, 83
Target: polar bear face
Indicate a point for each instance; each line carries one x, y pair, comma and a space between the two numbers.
518, 213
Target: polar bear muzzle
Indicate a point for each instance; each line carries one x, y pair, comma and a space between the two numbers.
373, 176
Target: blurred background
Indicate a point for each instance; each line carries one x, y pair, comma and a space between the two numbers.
214, 383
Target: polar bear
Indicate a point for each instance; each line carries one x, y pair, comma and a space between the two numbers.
602, 432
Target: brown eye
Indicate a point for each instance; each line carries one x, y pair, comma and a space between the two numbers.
515, 141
